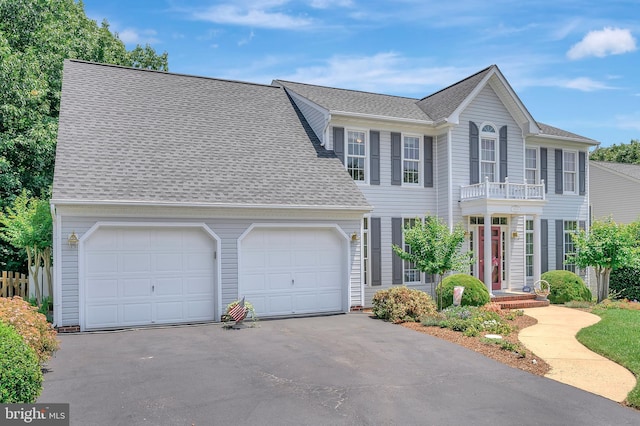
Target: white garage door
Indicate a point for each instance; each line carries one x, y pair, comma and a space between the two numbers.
293, 271
138, 276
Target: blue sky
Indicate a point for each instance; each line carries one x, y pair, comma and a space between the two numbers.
574, 63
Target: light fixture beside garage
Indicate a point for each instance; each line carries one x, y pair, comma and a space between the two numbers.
73, 239
354, 237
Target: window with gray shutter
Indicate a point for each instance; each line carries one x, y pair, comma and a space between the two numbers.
374, 157
396, 261
428, 161
474, 153
338, 142
582, 173
396, 159
376, 251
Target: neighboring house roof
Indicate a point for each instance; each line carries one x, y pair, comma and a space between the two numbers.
631, 171
137, 136
353, 101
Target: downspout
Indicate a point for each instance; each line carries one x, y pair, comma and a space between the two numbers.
450, 178
57, 270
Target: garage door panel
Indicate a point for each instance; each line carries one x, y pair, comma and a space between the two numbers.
136, 262
140, 287
313, 258
154, 275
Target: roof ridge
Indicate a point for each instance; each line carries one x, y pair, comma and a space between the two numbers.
347, 90
171, 73
459, 82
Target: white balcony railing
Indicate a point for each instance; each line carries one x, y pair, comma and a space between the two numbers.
502, 191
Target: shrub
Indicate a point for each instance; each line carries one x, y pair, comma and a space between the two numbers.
31, 325
566, 286
472, 321
626, 283
475, 292
20, 374
402, 304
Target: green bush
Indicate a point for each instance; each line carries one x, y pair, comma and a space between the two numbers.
626, 283
402, 304
471, 320
20, 374
565, 287
475, 292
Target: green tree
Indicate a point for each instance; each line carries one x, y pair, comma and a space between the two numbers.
27, 224
35, 38
623, 153
607, 246
434, 248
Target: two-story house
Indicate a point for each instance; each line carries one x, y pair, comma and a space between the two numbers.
175, 195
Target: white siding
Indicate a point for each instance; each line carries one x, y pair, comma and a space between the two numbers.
229, 230
315, 116
615, 195
442, 176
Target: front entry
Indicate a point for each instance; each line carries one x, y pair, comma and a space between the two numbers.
496, 256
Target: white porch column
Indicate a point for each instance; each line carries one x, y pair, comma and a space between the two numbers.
537, 249
488, 266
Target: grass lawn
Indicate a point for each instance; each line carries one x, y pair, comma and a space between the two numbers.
617, 337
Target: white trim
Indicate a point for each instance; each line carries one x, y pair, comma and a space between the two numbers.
379, 117
367, 153
346, 295
576, 172
57, 266
537, 169
362, 260
449, 178
490, 136
566, 138
98, 225
420, 161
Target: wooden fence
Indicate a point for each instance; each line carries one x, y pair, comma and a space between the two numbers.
14, 284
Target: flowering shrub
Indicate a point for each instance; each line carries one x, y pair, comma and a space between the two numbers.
31, 325
402, 304
472, 321
20, 373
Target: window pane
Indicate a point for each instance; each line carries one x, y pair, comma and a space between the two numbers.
356, 155
570, 182
487, 170
531, 176
411, 273
570, 161
488, 129
488, 150
531, 161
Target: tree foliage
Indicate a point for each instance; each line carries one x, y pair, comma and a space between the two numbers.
623, 153
607, 246
35, 38
434, 248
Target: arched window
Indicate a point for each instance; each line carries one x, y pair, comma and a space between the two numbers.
488, 152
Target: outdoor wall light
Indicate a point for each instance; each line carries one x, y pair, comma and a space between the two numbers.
73, 239
354, 237
514, 234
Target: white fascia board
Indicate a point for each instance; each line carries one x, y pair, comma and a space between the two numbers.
347, 114
565, 138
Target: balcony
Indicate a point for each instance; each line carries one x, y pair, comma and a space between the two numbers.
502, 191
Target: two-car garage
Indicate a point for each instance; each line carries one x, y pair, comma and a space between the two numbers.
143, 274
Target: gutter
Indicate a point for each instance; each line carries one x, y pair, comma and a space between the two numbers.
57, 269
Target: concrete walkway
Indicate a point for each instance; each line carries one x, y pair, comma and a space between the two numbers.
553, 339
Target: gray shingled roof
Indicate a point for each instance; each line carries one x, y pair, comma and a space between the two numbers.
554, 131
354, 101
130, 135
443, 103
631, 170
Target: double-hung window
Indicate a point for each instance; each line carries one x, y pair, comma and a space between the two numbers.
488, 156
411, 273
569, 171
531, 165
357, 155
411, 160
570, 228
529, 247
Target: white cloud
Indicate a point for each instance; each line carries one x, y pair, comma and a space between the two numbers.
629, 121
325, 4
133, 36
609, 41
585, 84
255, 15
247, 39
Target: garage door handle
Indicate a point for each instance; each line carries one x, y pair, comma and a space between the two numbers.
292, 282
153, 288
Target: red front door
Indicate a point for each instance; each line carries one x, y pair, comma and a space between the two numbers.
496, 257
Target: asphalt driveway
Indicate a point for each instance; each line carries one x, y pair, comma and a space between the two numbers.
345, 369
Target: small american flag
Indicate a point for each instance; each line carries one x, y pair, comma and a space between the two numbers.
238, 312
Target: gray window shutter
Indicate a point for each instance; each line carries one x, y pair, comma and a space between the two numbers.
543, 168
338, 142
376, 251
396, 159
559, 180
503, 154
374, 157
396, 261
428, 161
544, 245
474, 153
582, 172
559, 245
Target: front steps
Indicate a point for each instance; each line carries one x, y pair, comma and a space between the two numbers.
518, 301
